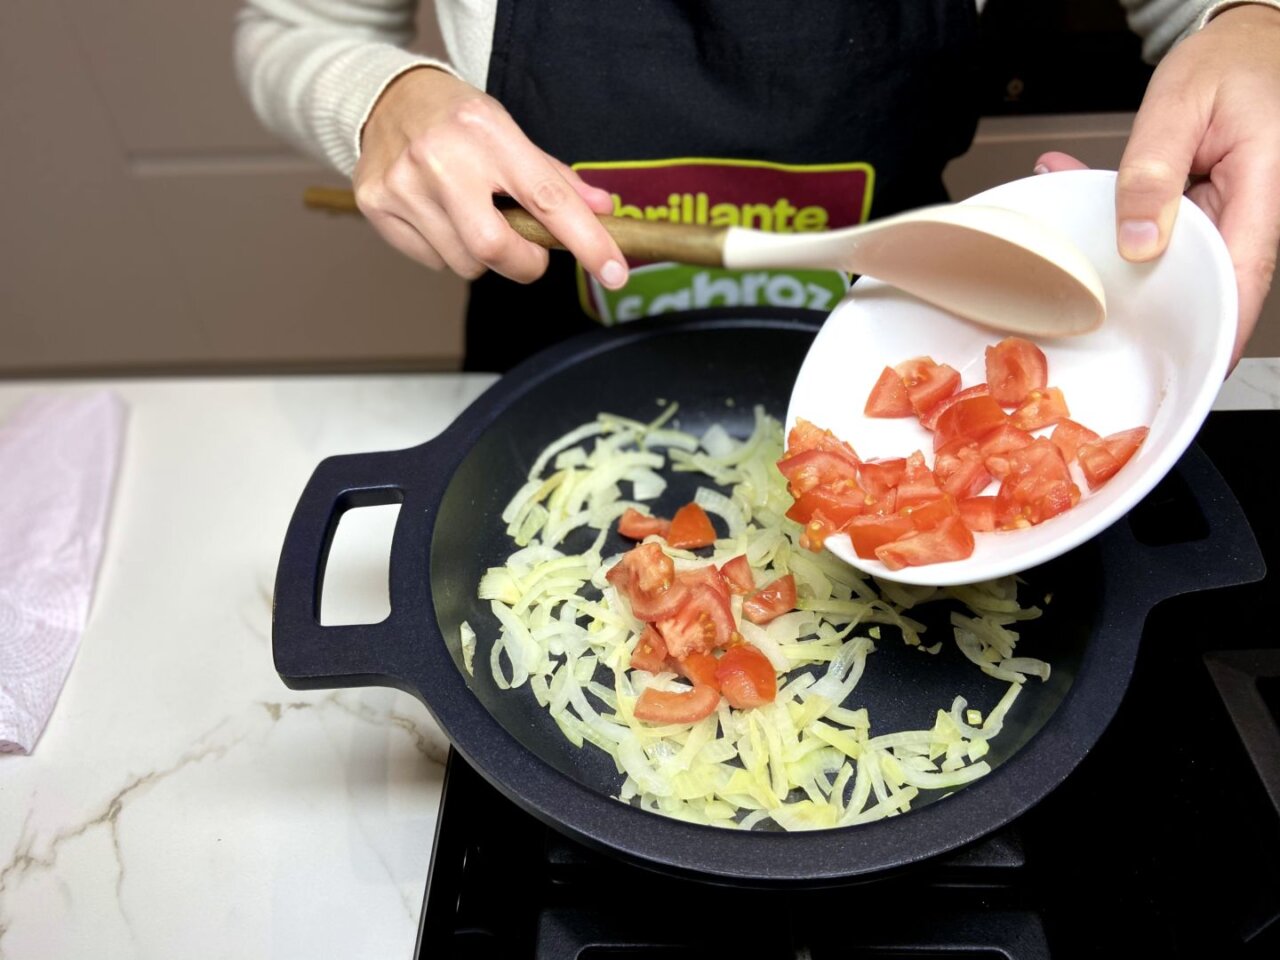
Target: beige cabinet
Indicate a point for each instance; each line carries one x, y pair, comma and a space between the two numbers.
151, 224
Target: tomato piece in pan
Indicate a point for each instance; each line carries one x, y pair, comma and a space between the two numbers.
698, 667
1102, 460
663, 706
1015, 367
691, 528
636, 525
647, 578
949, 540
746, 677
889, 397
650, 652
701, 623
737, 574
771, 601
927, 382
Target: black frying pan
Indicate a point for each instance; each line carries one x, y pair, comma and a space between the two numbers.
453, 487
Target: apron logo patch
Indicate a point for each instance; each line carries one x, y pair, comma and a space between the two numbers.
780, 198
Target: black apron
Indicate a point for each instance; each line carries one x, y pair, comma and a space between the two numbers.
804, 115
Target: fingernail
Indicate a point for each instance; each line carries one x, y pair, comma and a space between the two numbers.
613, 275
1039, 169
1138, 239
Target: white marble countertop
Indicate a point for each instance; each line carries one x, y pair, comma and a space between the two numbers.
182, 802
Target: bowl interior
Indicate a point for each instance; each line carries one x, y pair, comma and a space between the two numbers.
1157, 361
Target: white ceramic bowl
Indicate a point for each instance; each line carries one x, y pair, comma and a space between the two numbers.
1157, 361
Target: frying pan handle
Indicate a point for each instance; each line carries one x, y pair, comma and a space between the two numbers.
1226, 555
309, 655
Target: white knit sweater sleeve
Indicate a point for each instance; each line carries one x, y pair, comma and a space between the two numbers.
313, 69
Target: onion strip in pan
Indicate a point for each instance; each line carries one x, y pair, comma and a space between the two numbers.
805, 761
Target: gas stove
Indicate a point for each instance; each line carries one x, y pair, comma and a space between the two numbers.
1165, 842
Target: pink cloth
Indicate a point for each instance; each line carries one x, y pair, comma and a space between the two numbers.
58, 458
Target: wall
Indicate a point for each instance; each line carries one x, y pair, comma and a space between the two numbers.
151, 224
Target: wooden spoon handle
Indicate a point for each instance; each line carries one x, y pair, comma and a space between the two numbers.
637, 239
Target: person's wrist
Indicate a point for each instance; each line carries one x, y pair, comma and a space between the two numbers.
418, 81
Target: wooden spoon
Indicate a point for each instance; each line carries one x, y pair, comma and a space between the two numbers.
994, 266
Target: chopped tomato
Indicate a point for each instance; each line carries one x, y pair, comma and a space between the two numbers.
700, 624
805, 436
1015, 367
771, 601
889, 397
917, 484
815, 468
1068, 435
637, 526
930, 420
651, 652
1101, 461
646, 577
968, 421
1038, 486
978, 513
997, 465
927, 382
699, 668
963, 473
949, 540
691, 528
929, 514
737, 574
867, 533
663, 706
1004, 439
878, 477
1041, 408
843, 498
707, 576
826, 510
746, 677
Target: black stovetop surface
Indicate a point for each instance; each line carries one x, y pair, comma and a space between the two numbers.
1164, 843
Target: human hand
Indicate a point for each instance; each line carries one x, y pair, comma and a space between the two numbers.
436, 150
1212, 113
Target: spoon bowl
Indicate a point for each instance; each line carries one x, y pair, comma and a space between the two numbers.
992, 265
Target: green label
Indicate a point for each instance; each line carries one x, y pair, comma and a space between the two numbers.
666, 287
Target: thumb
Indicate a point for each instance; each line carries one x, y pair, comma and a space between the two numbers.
1153, 173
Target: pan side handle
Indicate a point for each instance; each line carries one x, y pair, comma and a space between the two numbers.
309, 655
1227, 555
